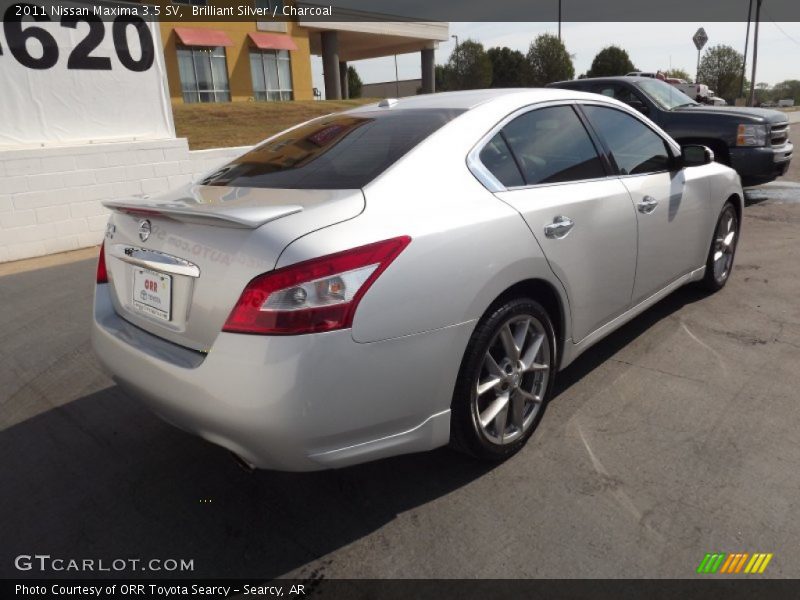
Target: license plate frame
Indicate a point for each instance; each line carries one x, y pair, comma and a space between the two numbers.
152, 293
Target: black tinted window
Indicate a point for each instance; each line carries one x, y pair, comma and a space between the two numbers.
620, 92
496, 156
551, 145
343, 151
635, 147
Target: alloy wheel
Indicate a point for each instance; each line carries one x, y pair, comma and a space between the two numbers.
725, 244
513, 377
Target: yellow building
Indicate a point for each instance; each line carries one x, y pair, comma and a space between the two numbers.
217, 62
220, 61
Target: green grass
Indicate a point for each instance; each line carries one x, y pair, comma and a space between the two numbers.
246, 123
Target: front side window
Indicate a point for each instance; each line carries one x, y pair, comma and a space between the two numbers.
271, 71
635, 147
204, 74
344, 151
549, 145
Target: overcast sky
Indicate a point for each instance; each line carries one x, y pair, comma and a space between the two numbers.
651, 46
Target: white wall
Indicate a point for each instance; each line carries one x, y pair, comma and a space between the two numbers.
66, 102
50, 197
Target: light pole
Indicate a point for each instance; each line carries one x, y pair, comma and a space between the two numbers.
746, 42
755, 56
559, 20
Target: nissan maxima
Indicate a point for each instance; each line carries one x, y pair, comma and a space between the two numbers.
404, 275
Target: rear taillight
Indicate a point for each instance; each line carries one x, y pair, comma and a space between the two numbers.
102, 274
316, 295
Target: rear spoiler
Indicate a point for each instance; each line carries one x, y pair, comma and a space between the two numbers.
246, 217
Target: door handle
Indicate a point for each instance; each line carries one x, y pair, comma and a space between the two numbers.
559, 228
647, 205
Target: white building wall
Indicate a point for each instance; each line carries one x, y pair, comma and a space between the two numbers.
50, 197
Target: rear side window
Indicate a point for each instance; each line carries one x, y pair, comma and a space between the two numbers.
551, 145
344, 151
636, 148
496, 156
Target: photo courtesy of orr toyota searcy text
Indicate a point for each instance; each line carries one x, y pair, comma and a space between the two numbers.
159, 591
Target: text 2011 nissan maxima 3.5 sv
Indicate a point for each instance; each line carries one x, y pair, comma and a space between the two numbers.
405, 275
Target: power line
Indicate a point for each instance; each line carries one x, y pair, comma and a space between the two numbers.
781, 29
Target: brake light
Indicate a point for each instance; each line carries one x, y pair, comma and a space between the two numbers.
321, 294
102, 274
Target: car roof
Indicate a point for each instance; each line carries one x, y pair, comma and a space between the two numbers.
628, 78
466, 100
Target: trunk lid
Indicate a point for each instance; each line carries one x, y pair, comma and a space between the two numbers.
178, 262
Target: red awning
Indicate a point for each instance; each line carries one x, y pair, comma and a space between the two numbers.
190, 36
273, 41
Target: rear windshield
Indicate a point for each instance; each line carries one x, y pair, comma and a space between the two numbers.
344, 151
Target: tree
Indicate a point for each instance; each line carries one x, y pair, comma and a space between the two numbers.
468, 68
354, 82
787, 89
548, 61
679, 74
439, 75
508, 67
721, 70
762, 93
611, 61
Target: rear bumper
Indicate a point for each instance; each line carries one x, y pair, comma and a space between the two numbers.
760, 165
295, 403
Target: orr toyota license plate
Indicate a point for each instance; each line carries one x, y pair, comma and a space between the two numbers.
152, 293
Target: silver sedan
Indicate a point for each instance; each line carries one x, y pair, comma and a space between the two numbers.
405, 275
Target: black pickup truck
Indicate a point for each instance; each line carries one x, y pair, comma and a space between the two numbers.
753, 141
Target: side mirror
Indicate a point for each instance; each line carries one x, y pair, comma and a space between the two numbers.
639, 105
695, 155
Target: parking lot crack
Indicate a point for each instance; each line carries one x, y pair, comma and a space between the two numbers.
700, 342
615, 487
662, 372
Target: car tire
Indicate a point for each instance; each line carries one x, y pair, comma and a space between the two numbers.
722, 252
506, 377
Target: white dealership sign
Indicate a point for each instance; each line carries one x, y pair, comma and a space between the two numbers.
81, 72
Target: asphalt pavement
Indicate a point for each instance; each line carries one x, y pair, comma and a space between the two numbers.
674, 437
